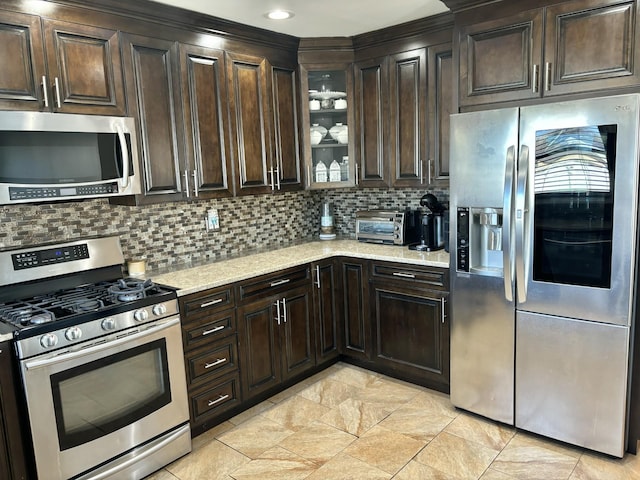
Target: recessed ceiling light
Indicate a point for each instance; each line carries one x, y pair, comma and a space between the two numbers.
278, 14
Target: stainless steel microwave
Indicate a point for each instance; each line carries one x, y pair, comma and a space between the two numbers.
55, 156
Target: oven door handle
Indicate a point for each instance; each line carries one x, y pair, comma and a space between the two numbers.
126, 338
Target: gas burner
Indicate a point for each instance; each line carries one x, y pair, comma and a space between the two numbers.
29, 316
87, 305
131, 289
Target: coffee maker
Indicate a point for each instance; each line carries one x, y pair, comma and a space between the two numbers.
432, 225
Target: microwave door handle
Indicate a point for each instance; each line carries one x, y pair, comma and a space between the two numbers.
124, 181
521, 218
507, 223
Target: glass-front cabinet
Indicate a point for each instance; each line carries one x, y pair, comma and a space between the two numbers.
328, 130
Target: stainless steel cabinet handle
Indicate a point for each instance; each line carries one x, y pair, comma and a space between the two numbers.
404, 275
280, 282
195, 181
317, 282
273, 185
277, 304
212, 302
186, 183
213, 330
221, 398
508, 223
429, 172
308, 175
357, 181
443, 315
277, 171
217, 362
45, 93
547, 76
534, 79
56, 83
421, 172
284, 310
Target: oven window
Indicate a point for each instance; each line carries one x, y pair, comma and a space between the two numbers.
98, 398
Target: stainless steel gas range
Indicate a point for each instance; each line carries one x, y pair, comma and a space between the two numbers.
100, 358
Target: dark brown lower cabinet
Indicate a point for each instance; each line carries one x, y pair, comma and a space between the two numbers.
326, 298
276, 338
412, 333
355, 308
13, 460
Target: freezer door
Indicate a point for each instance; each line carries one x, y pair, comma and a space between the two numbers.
576, 208
571, 379
482, 318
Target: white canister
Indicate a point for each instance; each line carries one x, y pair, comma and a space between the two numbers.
314, 104
340, 104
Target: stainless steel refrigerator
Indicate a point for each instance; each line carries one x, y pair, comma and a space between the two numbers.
543, 206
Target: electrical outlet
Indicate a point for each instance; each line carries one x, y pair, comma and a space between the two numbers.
213, 220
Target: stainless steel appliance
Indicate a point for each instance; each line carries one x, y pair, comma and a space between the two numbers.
544, 222
54, 156
101, 361
393, 227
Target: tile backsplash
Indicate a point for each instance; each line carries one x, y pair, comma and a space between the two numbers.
172, 234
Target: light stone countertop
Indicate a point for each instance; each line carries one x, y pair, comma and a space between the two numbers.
196, 279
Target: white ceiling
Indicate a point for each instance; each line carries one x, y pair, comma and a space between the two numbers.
317, 18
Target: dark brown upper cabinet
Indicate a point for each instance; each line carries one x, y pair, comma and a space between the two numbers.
572, 47
153, 88
264, 131
207, 169
371, 85
76, 69
440, 106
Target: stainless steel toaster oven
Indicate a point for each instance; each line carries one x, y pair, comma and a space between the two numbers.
392, 227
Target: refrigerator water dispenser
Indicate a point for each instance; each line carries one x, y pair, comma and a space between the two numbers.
479, 241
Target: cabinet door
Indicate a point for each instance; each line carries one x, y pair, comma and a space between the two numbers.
327, 312
13, 461
250, 122
153, 89
357, 323
258, 345
85, 72
285, 120
408, 117
498, 59
206, 126
371, 109
589, 45
412, 334
440, 106
22, 60
296, 332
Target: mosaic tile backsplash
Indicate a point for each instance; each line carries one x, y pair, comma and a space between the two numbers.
174, 234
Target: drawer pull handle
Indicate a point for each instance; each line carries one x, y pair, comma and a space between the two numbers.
217, 362
403, 275
212, 302
280, 282
213, 330
221, 398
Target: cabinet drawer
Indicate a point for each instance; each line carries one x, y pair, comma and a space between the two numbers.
431, 277
213, 360
204, 303
274, 283
214, 399
209, 328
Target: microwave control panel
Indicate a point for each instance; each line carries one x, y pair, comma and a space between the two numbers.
17, 194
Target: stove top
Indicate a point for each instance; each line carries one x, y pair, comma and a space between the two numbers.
78, 304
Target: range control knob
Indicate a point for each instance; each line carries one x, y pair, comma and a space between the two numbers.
73, 333
108, 324
141, 315
49, 340
159, 309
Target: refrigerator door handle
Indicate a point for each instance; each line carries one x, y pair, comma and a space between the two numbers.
507, 223
520, 220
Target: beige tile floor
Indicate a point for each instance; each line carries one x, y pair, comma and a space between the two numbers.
349, 423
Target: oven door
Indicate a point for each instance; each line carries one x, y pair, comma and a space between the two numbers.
93, 403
